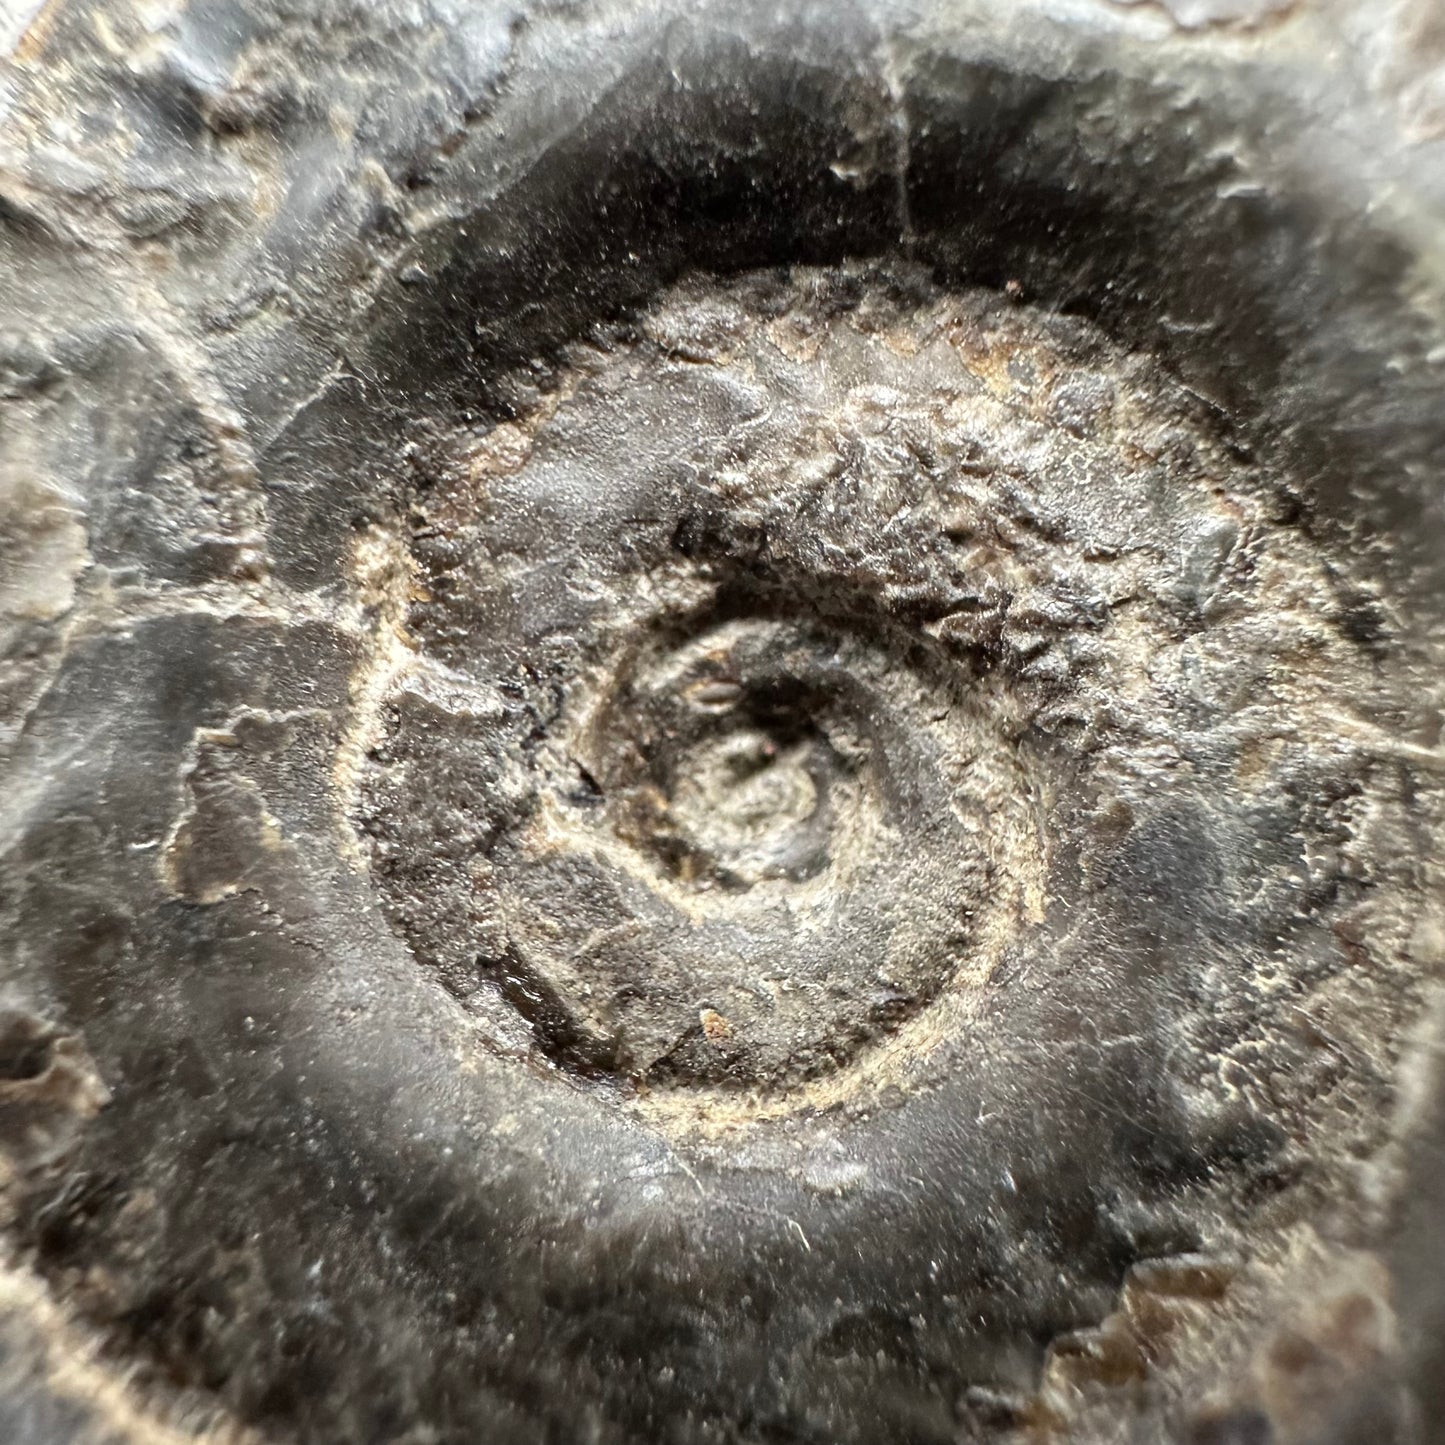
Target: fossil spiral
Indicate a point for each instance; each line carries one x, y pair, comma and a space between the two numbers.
721, 723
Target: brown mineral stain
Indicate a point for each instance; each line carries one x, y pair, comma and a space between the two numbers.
714, 1026
32, 36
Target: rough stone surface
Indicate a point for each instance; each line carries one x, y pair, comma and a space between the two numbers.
721, 723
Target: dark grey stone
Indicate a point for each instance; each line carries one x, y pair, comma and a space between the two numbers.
721, 722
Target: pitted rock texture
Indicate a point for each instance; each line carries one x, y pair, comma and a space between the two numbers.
812, 728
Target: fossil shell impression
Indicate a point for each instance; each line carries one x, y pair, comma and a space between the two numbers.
722, 723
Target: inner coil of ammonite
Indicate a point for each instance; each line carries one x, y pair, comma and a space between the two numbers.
827, 675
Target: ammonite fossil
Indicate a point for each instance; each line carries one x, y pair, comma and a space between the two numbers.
722, 723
